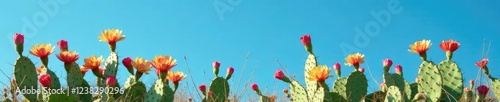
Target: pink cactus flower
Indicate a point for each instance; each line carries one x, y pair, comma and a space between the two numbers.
127, 62
387, 62
336, 66
483, 90
18, 38
45, 80
111, 81
255, 87
398, 68
63, 45
216, 64
306, 40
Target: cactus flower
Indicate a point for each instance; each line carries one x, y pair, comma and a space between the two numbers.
127, 62
255, 88
319, 73
68, 57
18, 39
398, 69
482, 63
84, 70
111, 81
163, 63
362, 70
449, 46
387, 64
42, 50
175, 77
336, 68
215, 66
111, 36
420, 47
483, 90
230, 72
63, 45
306, 41
355, 60
281, 76
142, 65
203, 88
92, 62
45, 80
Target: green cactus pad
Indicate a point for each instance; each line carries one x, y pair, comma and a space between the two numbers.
53, 77
130, 81
495, 83
393, 95
85, 97
26, 76
334, 97
220, 90
356, 86
452, 81
398, 81
339, 87
377, 96
430, 81
414, 89
160, 92
311, 85
111, 65
320, 93
75, 80
136, 92
264, 99
62, 97
298, 92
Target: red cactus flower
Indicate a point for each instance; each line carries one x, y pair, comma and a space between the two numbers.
450, 45
279, 74
45, 80
398, 68
84, 70
18, 39
387, 62
482, 63
230, 70
111, 81
255, 87
127, 62
483, 90
68, 57
202, 88
63, 45
336, 66
216, 64
306, 40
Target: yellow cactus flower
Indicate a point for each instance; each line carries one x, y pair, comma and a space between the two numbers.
354, 59
319, 73
175, 77
111, 36
420, 47
163, 63
68, 57
92, 62
141, 65
42, 50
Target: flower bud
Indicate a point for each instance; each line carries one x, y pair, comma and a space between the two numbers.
398, 69
111, 81
362, 70
45, 80
230, 72
63, 45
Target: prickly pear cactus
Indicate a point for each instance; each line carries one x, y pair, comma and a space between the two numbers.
335, 97
320, 94
135, 92
495, 84
311, 85
298, 92
393, 95
430, 81
264, 99
414, 89
111, 65
61, 97
339, 86
377, 96
130, 81
452, 81
220, 90
356, 86
26, 76
75, 80
53, 78
160, 92
398, 81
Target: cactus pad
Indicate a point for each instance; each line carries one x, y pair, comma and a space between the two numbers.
111, 65
356, 86
311, 85
430, 81
495, 84
452, 81
393, 95
298, 92
220, 90
377, 96
264, 99
339, 86
136, 92
160, 92
53, 78
25, 75
130, 81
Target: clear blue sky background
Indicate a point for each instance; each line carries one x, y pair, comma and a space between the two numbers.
268, 30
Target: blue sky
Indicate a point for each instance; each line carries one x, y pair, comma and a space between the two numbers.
267, 30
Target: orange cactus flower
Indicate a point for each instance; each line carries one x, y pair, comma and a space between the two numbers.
450, 45
84, 70
42, 50
163, 63
111, 36
319, 73
141, 65
68, 57
420, 46
175, 77
354, 59
92, 62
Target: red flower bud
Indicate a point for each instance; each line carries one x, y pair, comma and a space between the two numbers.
336, 66
202, 87
483, 90
18, 38
398, 69
387, 63
127, 62
216, 64
230, 70
111, 81
279, 74
63, 45
306, 40
255, 87
45, 80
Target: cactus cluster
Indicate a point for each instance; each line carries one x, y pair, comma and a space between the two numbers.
435, 82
